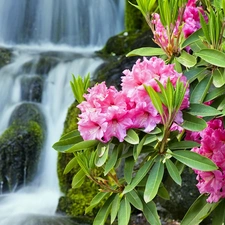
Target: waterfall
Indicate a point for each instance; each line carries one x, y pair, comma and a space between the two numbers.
77, 23
68, 32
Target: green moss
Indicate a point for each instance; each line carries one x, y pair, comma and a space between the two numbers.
134, 20
20, 148
75, 200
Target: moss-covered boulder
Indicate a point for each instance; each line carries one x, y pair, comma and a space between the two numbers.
20, 147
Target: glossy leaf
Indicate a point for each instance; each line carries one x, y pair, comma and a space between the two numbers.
134, 199
137, 148
217, 92
218, 77
102, 154
182, 145
78, 179
63, 145
194, 73
192, 38
111, 160
198, 211
104, 211
128, 169
203, 110
194, 160
201, 90
138, 177
96, 200
150, 213
153, 182
132, 137
163, 193
193, 123
219, 214
186, 59
115, 208
173, 171
70, 165
213, 57
146, 51
124, 212
155, 99
82, 145
74, 133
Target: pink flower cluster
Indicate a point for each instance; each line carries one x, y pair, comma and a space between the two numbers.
212, 141
108, 113
190, 19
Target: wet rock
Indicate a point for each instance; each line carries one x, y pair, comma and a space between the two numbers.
32, 88
20, 147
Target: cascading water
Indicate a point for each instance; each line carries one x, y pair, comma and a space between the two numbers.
36, 30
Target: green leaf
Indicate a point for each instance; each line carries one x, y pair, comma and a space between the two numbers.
103, 212
64, 145
78, 179
139, 176
128, 169
137, 148
124, 212
212, 56
192, 38
217, 92
218, 77
163, 193
186, 59
194, 160
134, 199
203, 110
102, 154
111, 161
219, 214
96, 200
146, 51
201, 89
150, 213
198, 211
153, 182
193, 123
173, 171
74, 133
183, 145
82, 145
132, 137
70, 165
194, 73
115, 208
155, 99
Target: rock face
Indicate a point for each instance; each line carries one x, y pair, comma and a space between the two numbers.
20, 147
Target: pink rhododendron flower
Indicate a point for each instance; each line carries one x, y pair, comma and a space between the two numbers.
108, 113
212, 141
190, 20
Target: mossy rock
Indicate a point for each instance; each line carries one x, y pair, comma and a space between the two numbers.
42, 67
5, 56
26, 112
20, 147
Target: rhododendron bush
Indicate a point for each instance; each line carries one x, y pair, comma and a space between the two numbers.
168, 114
